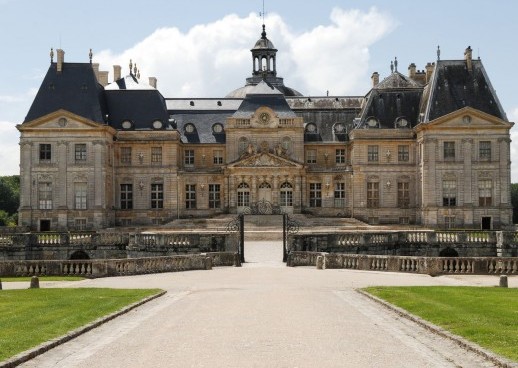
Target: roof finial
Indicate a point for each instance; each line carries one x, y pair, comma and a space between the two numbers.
135, 70
138, 74
438, 53
391, 66
131, 67
395, 63
51, 55
90, 55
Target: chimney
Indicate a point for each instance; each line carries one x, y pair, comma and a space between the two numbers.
375, 79
411, 70
61, 60
468, 57
429, 71
95, 67
116, 72
103, 78
152, 82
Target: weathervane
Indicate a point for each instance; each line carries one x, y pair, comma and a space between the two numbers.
262, 13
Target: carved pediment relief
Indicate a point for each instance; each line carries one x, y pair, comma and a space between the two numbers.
60, 119
264, 160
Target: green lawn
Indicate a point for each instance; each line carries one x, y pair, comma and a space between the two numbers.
33, 316
42, 278
486, 316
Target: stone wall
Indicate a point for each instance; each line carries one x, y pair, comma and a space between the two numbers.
424, 265
411, 243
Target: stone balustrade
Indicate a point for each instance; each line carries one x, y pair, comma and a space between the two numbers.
424, 265
117, 267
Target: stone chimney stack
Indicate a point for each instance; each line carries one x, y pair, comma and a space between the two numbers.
429, 71
468, 56
152, 82
116, 72
103, 78
95, 67
375, 79
411, 71
60, 61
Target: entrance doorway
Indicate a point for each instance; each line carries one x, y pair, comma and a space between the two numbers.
265, 192
486, 223
44, 225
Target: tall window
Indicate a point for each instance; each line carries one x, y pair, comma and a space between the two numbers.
449, 150
340, 195
243, 195
449, 193
214, 196
80, 224
449, 222
156, 155
80, 152
485, 189
315, 194
340, 156
126, 155
311, 156
403, 194
45, 152
80, 195
45, 195
190, 196
188, 157
372, 153
484, 150
403, 153
286, 195
217, 157
373, 194
157, 196
126, 196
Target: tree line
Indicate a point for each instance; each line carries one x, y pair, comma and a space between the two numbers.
9, 200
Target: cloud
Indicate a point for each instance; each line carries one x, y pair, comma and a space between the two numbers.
9, 149
210, 60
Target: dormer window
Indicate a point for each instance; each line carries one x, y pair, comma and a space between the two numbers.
372, 122
127, 124
189, 128
339, 128
311, 128
402, 123
157, 124
217, 128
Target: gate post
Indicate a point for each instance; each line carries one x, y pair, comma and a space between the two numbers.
242, 237
284, 238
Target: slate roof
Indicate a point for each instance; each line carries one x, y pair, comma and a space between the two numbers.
454, 87
203, 123
397, 96
128, 82
74, 89
141, 107
264, 94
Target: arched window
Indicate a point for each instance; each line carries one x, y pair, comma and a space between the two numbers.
243, 195
286, 195
265, 185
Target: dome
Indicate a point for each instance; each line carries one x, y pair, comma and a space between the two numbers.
249, 88
263, 43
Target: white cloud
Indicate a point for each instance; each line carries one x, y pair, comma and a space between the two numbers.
210, 60
9, 149
513, 116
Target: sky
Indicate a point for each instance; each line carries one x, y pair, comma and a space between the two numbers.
201, 48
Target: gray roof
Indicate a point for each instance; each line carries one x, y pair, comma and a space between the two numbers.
453, 87
203, 126
264, 94
74, 89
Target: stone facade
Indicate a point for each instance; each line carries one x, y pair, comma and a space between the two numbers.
431, 148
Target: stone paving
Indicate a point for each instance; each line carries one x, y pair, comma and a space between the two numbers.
263, 315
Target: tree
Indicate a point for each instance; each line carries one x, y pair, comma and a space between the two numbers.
9, 199
514, 201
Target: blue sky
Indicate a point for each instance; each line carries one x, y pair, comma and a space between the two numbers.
201, 48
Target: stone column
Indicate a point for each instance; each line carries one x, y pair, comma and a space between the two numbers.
61, 178
504, 172
466, 174
253, 190
231, 192
25, 178
275, 190
429, 175
98, 174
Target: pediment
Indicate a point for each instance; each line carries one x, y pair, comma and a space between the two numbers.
466, 118
264, 159
62, 120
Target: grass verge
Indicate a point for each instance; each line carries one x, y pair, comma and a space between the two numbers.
42, 278
34, 316
485, 316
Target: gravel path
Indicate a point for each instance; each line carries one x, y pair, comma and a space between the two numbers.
263, 315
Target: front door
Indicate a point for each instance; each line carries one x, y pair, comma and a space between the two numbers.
44, 225
486, 223
265, 192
